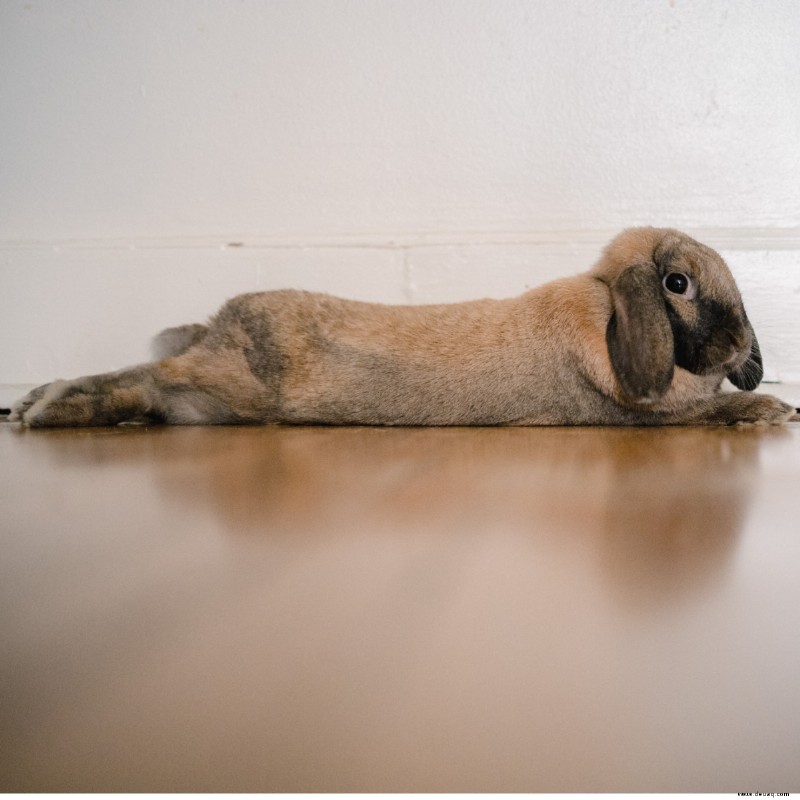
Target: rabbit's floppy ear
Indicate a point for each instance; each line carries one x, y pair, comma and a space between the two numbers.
749, 374
639, 335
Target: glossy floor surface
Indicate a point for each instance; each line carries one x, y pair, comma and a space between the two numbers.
279, 609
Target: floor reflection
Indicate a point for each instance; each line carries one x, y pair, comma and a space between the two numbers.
658, 510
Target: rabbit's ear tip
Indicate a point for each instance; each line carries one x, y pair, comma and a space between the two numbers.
651, 395
645, 388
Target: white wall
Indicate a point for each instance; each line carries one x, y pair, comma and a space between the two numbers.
397, 150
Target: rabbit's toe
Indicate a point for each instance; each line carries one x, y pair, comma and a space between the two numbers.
21, 407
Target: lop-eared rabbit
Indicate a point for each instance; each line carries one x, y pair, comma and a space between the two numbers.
646, 337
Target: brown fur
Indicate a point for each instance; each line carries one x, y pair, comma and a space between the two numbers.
609, 347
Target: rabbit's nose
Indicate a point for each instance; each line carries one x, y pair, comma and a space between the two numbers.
737, 343
733, 355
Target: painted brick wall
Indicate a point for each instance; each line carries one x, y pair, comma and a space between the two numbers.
157, 157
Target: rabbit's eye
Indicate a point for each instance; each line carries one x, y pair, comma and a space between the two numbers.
678, 283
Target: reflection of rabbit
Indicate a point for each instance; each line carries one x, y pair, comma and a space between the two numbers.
644, 338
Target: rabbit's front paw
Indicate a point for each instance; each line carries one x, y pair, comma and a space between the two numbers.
748, 408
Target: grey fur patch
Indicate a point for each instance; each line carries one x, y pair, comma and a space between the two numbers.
264, 357
262, 352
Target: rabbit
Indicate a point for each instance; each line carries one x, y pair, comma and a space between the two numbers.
645, 337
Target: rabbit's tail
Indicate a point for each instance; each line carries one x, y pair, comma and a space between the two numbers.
174, 341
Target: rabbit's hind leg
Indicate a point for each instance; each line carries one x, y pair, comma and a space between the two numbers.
137, 394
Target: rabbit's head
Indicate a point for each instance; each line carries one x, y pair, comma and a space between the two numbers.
675, 303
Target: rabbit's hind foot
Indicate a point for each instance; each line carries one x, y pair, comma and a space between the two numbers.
89, 401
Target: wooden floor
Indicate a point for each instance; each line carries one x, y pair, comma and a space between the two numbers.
322, 609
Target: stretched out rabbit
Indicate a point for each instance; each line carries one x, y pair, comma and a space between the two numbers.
644, 338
